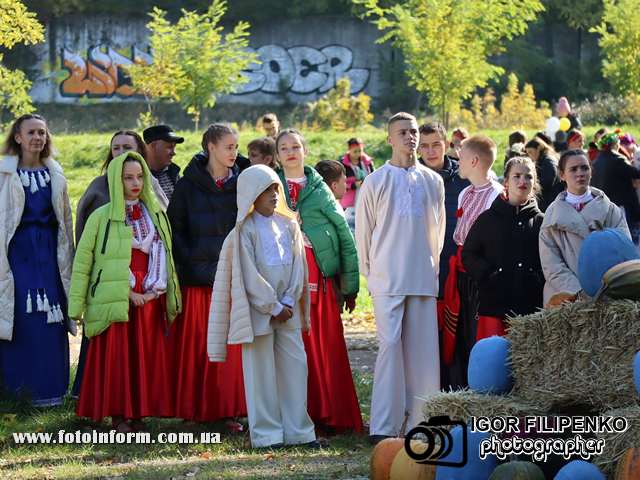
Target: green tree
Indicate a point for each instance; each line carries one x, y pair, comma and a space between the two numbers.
580, 15
447, 43
193, 61
518, 109
17, 25
620, 43
339, 110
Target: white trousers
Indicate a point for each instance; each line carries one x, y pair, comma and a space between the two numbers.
408, 362
275, 385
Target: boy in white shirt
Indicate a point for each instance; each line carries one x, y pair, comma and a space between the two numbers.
400, 225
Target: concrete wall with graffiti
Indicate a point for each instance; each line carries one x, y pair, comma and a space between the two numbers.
84, 58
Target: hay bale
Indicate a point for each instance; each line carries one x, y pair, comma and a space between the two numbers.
617, 444
462, 404
581, 353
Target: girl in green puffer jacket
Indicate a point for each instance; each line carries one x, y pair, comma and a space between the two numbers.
125, 288
331, 254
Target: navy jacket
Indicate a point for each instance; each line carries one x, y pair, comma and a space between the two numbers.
453, 185
501, 253
612, 174
201, 216
550, 183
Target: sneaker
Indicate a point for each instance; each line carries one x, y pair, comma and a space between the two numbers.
315, 444
274, 446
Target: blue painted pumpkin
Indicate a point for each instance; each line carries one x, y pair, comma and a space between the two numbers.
475, 468
599, 252
636, 371
489, 370
580, 470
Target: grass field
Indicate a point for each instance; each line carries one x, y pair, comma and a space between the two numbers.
82, 155
346, 458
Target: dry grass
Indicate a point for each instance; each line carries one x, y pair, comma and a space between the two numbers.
463, 404
581, 353
617, 444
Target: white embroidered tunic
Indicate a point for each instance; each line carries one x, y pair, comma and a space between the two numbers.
270, 266
472, 201
400, 225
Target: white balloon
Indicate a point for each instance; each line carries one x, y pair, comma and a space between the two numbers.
552, 126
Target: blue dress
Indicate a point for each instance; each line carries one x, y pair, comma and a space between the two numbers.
35, 363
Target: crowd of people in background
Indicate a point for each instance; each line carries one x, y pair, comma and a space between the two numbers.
216, 292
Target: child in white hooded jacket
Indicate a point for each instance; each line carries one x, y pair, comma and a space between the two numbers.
260, 300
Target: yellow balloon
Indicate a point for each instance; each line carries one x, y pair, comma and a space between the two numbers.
565, 124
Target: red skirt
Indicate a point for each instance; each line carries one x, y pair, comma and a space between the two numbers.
205, 391
331, 395
489, 326
129, 367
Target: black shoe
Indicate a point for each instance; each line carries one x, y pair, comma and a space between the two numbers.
314, 445
273, 446
376, 439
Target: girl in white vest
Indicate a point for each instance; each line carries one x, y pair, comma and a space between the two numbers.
260, 300
36, 253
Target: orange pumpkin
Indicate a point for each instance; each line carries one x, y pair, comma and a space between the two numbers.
382, 457
629, 465
404, 467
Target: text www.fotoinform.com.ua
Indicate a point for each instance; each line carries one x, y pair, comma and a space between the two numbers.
113, 437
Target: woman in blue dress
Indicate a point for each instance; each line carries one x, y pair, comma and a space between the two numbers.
36, 255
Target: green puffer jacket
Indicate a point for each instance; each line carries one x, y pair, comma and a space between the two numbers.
100, 276
327, 230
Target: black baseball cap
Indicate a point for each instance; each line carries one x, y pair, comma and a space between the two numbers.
161, 132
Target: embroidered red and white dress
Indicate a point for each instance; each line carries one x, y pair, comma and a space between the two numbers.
129, 369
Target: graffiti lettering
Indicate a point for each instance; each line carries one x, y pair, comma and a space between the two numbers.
101, 74
301, 70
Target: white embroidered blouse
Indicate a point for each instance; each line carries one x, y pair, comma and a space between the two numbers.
146, 239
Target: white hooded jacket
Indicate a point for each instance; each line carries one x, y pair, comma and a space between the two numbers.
242, 298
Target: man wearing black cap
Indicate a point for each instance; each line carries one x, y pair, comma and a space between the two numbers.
161, 145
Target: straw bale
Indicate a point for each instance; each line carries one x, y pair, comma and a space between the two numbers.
463, 404
581, 353
617, 444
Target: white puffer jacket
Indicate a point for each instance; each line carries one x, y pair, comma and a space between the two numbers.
230, 312
12, 200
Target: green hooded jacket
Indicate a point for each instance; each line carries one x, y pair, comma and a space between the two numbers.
327, 230
100, 277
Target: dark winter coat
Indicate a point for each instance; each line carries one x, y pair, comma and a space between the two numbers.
501, 254
613, 175
550, 183
576, 124
453, 185
174, 173
201, 216
242, 162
